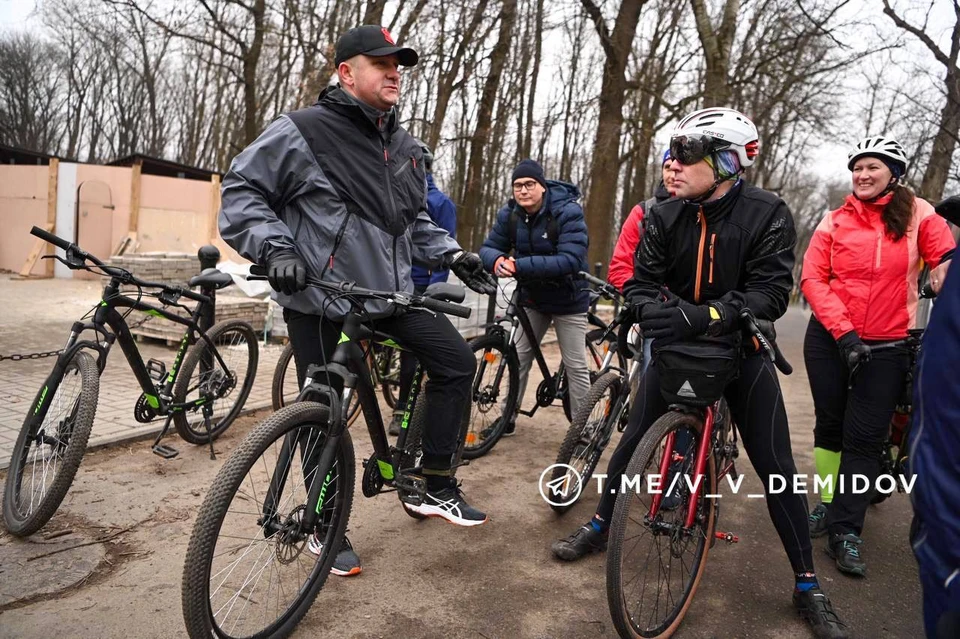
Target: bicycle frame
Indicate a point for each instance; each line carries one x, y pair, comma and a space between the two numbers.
347, 355
106, 316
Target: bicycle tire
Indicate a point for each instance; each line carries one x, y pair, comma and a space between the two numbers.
198, 613
639, 462
389, 371
607, 383
81, 413
282, 394
413, 447
485, 347
187, 385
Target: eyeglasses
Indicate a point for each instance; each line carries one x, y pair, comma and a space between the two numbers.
524, 186
690, 149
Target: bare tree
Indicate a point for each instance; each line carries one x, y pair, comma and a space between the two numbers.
30, 97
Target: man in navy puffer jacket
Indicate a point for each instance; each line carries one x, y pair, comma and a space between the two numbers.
543, 228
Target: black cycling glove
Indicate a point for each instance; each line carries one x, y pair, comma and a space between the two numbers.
674, 319
469, 268
286, 272
853, 351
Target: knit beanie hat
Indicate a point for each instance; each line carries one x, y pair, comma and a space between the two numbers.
530, 169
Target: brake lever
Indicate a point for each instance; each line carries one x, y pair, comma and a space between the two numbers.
74, 265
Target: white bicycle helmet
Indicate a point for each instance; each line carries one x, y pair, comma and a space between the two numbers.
729, 128
881, 147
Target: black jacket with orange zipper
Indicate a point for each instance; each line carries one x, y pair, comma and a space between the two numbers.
737, 251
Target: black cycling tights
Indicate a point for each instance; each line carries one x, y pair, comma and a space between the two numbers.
854, 421
756, 404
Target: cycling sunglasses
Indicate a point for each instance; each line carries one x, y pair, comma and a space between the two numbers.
690, 149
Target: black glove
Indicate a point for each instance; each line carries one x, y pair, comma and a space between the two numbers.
674, 319
286, 272
853, 351
469, 268
949, 209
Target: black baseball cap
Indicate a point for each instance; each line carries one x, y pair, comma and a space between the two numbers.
375, 41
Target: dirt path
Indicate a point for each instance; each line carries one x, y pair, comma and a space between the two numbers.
432, 580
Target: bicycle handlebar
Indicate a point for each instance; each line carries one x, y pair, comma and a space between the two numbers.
259, 273
768, 344
606, 288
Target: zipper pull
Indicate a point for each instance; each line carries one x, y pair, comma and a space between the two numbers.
386, 157
331, 262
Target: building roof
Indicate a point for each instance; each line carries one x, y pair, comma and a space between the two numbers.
17, 155
158, 166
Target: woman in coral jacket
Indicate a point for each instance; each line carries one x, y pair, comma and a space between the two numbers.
860, 276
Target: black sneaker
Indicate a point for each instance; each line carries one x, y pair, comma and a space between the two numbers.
347, 563
448, 503
846, 550
511, 429
817, 520
580, 544
395, 424
815, 608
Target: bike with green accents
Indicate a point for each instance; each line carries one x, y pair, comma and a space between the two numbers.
201, 394
249, 571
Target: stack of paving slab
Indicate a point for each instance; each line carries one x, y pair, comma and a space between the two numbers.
177, 269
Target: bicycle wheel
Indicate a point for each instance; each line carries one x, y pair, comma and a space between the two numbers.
249, 569
492, 404
654, 566
202, 379
286, 386
388, 366
585, 440
413, 447
50, 446
595, 355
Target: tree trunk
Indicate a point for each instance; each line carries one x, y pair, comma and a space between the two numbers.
605, 169
938, 167
537, 51
467, 224
717, 44
251, 123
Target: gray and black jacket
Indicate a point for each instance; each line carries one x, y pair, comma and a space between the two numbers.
343, 185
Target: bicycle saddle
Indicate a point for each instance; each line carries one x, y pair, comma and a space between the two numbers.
445, 292
211, 278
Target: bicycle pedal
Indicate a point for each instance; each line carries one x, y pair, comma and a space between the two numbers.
730, 538
167, 452
411, 488
157, 370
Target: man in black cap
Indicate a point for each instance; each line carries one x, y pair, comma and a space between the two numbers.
338, 191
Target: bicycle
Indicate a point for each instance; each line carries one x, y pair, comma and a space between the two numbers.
383, 362
265, 504
605, 407
496, 353
213, 366
687, 529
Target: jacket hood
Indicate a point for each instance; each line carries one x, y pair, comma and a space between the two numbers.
866, 208
335, 97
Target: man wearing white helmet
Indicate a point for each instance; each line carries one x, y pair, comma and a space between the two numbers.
719, 246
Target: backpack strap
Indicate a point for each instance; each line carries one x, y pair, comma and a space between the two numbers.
553, 231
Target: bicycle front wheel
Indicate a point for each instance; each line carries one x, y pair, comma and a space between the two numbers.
655, 564
51, 444
251, 569
586, 438
204, 380
494, 395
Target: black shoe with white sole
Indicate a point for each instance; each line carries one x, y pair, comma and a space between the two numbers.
448, 503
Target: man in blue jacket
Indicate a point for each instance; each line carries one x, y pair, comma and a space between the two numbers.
544, 229
935, 457
443, 212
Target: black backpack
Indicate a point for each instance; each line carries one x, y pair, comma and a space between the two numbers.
553, 234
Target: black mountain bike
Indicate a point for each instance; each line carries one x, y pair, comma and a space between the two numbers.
201, 394
606, 406
495, 386
248, 570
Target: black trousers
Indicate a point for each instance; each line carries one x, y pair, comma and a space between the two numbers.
756, 403
441, 349
853, 421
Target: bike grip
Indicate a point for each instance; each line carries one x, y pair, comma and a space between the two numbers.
258, 269
781, 362
50, 237
926, 292
447, 308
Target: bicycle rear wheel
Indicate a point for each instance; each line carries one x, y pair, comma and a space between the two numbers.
286, 386
494, 399
50, 446
584, 443
595, 355
202, 379
250, 570
387, 361
655, 565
